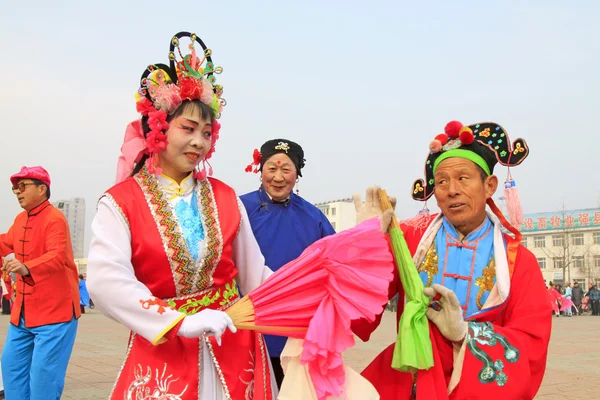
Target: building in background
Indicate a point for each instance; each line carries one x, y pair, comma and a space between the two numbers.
74, 211
340, 213
566, 244
81, 265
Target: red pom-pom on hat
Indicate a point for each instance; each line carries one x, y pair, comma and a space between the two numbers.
442, 138
466, 135
452, 129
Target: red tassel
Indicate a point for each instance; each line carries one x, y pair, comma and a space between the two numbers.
513, 204
419, 221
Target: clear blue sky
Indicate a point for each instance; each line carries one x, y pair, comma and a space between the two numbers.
363, 88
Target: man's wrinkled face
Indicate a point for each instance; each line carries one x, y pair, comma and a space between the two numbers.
461, 193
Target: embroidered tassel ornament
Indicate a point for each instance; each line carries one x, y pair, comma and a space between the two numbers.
419, 221
513, 204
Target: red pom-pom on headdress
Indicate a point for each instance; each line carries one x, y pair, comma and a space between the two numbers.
442, 138
452, 129
466, 135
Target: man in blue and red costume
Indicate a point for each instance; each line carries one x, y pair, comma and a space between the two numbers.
489, 318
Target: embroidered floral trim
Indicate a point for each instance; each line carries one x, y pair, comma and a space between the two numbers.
162, 305
193, 304
173, 241
140, 390
214, 242
486, 280
492, 371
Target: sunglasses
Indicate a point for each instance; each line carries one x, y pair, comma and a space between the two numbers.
21, 186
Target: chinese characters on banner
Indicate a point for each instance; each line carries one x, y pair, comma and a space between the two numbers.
566, 220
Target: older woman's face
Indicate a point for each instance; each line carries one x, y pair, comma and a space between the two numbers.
279, 176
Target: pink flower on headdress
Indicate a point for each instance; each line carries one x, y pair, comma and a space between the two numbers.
167, 97
156, 141
207, 92
144, 106
216, 127
157, 120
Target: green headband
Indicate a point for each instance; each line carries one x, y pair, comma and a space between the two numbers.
462, 153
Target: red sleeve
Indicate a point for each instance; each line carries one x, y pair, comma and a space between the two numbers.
517, 354
6, 242
54, 258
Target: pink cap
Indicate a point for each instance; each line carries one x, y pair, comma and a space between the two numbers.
38, 173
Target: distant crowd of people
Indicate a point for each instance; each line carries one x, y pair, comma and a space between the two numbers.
573, 300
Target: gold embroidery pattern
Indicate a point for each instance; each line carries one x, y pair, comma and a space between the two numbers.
214, 239
486, 280
173, 242
430, 265
196, 302
139, 389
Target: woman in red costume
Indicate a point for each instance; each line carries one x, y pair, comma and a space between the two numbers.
172, 248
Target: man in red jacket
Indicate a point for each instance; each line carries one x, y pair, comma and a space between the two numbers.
489, 318
44, 316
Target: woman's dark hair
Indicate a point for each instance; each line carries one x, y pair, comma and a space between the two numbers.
206, 112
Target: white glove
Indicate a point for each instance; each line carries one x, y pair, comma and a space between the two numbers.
449, 320
372, 208
207, 321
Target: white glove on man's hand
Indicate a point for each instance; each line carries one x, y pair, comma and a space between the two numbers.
449, 320
207, 321
371, 208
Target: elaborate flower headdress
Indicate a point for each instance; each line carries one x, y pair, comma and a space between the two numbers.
162, 90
